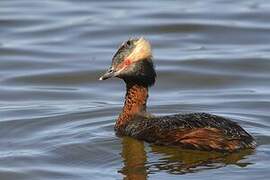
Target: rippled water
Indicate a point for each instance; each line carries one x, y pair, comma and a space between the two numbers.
57, 118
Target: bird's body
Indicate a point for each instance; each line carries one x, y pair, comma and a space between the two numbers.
200, 131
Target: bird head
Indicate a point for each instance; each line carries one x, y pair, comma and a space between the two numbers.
133, 63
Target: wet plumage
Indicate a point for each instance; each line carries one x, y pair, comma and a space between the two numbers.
202, 131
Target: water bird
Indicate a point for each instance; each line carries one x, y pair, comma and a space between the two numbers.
133, 63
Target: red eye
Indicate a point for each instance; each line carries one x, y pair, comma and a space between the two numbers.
127, 62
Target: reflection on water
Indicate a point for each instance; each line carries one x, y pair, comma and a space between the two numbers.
134, 158
173, 160
56, 118
177, 161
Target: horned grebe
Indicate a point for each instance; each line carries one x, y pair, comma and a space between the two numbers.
133, 63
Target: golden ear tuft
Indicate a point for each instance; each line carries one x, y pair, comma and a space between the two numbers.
142, 50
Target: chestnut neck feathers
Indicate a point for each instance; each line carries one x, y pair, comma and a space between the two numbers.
135, 103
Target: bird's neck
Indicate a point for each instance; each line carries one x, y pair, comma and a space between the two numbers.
135, 103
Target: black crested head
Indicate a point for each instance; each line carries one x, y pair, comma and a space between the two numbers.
133, 63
